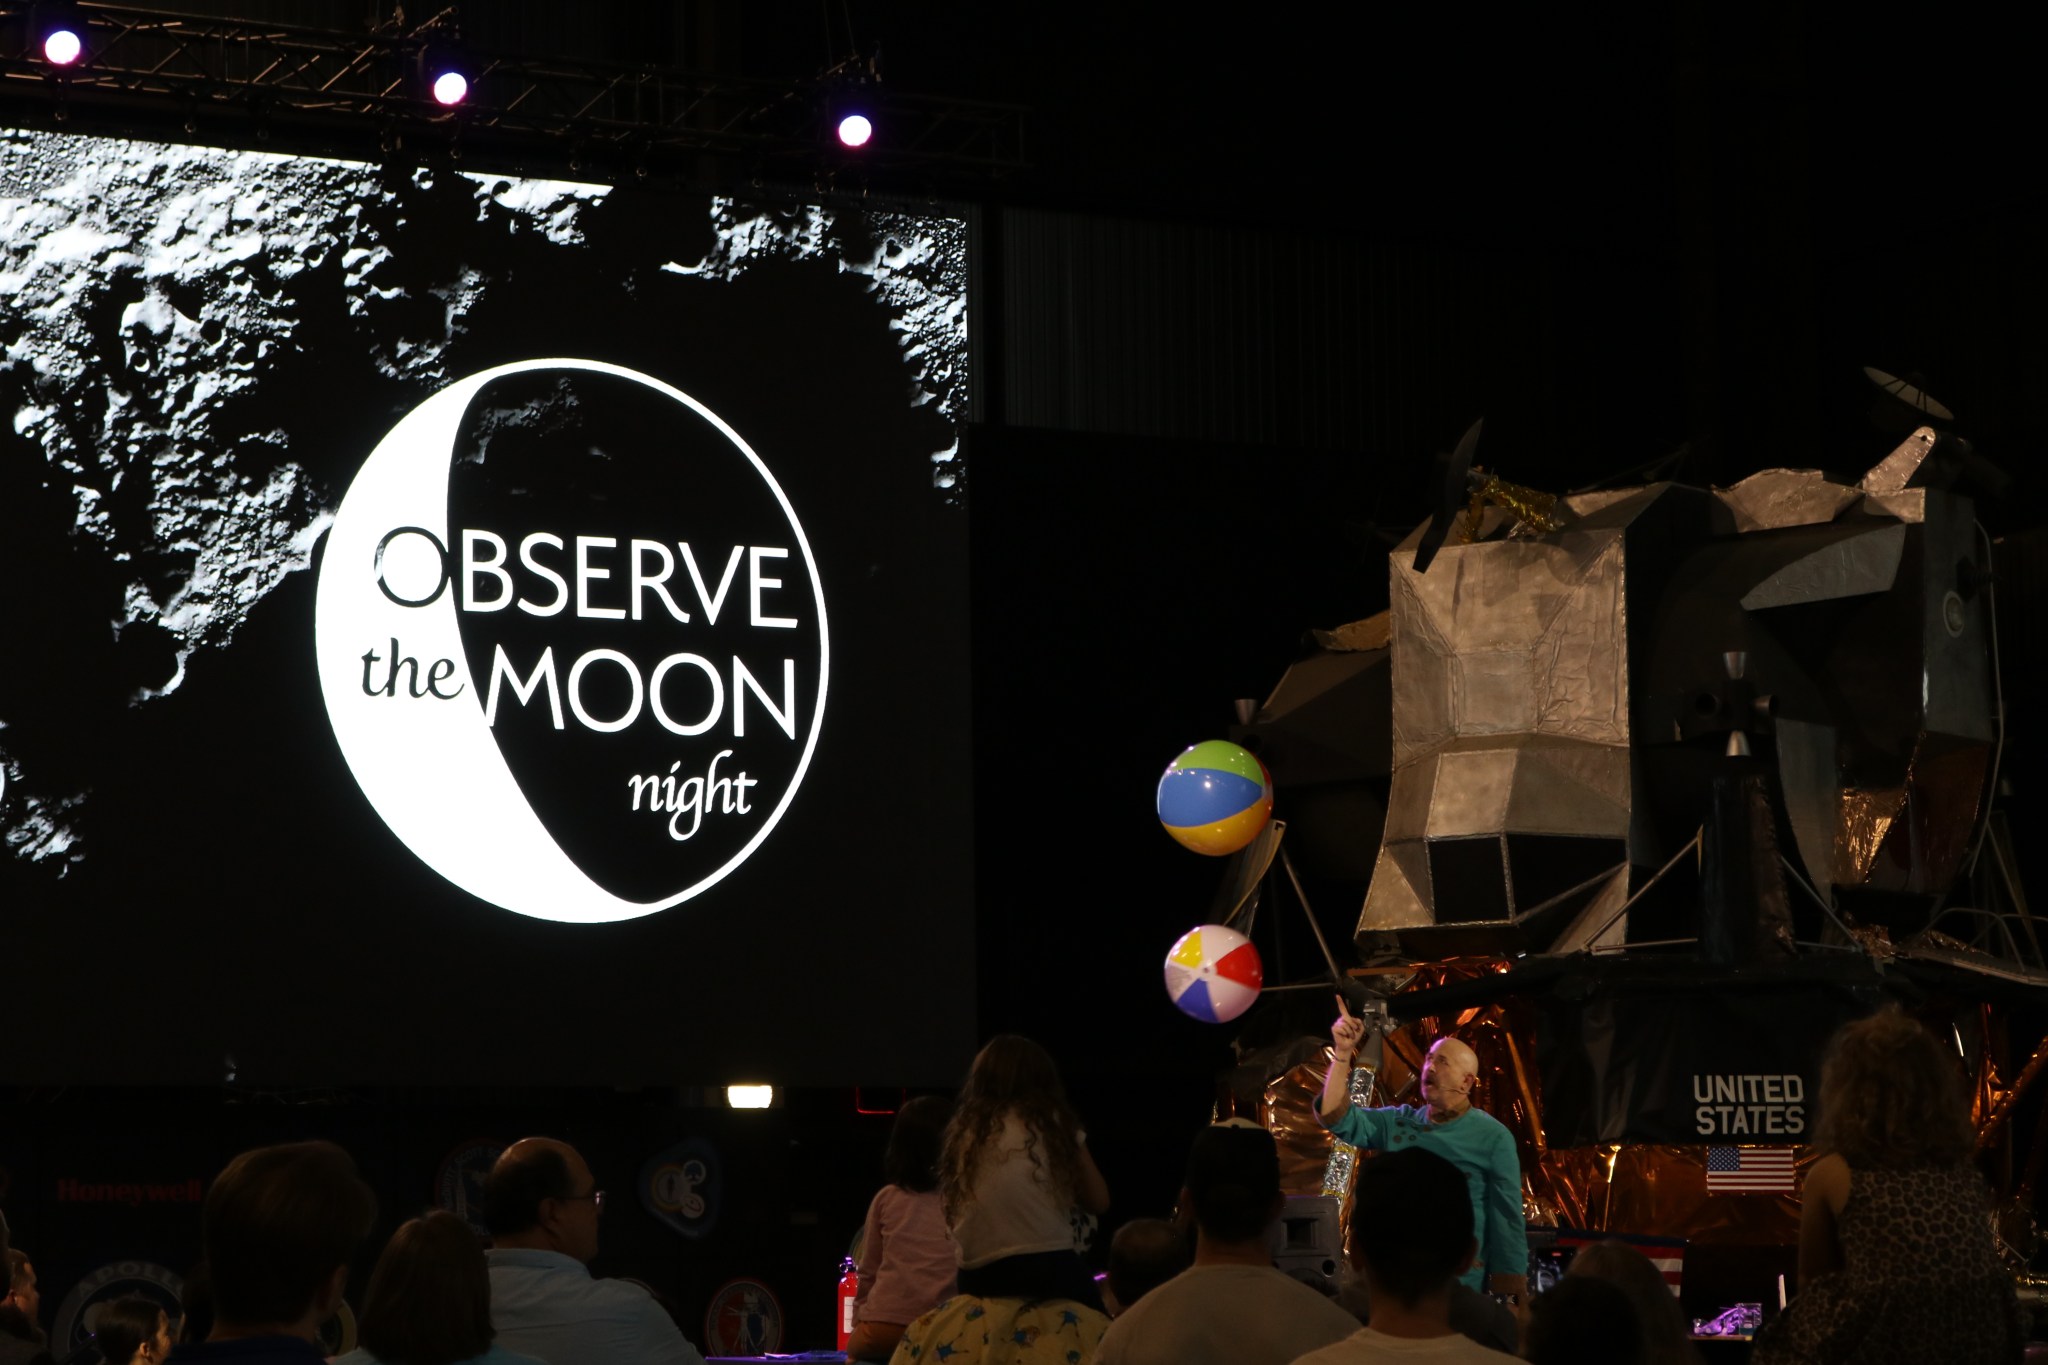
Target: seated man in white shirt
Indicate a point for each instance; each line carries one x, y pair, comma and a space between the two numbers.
1411, 1237
543, 1208
1231, 1307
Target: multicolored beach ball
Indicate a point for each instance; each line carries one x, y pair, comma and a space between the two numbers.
1215, 798
1213, 973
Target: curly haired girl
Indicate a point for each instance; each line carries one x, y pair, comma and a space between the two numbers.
1013, 1169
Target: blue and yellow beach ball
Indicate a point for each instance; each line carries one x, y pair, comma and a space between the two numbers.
1215, 798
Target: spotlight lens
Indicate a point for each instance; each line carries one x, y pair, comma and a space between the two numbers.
855, 130
63, 47
451, 87
750, 1096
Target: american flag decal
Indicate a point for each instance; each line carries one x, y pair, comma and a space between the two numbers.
1749, 1170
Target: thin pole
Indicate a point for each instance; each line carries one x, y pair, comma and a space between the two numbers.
1329, 958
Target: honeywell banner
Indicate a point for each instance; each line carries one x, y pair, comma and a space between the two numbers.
1737, 1066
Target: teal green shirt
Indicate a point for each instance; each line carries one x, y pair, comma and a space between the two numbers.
1478, 1145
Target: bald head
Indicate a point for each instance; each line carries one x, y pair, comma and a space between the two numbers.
1453, 1054
540, 1195
1447, 1078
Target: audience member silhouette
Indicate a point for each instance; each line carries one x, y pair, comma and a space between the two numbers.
132, 1331
429, 1301
1896, 1257
908, 1263
1582, 1320
195, 1322
1411, 1238
22, 1341
1015, 1173
1144, 1254
543, 1207
1231, 1307
1666, 1334
279, 1227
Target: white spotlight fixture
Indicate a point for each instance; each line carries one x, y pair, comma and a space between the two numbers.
446, 73
750, 1096
62, 47
855, 130
58, 32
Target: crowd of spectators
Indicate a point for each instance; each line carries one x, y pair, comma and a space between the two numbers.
972, 1249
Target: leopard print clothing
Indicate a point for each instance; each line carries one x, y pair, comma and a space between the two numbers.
1920, 1284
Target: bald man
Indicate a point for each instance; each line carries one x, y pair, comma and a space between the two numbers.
1445, 1123
543, 1207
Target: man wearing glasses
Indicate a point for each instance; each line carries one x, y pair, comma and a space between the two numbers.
543, 1208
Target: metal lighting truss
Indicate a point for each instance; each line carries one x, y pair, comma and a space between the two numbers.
142, 62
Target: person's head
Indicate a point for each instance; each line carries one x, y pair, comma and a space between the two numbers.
429, 1300
1144, 1254
1892, 1097
912, 1158
1233, 1182
195, 1324
1665, 1333
1012, 1077
540, 1194
280, 1226
1012, 1070
1579, 1321
20, 1304
1448, 1074
131, 1331
21, 1293
1411, 1225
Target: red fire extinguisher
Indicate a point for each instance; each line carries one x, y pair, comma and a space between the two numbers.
849, 1289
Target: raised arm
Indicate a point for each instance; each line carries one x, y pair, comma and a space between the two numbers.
1346, 1034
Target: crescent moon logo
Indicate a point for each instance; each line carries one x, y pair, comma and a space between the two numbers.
572, 642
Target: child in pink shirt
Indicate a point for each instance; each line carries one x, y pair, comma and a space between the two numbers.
907, 1259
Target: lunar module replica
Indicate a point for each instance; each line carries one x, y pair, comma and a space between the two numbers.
1677, 780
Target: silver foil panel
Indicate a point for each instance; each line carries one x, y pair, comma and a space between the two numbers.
1774, 498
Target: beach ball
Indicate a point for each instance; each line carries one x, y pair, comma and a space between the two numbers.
1213, 973
1215, 798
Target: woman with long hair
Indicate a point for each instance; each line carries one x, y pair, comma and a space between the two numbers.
1014, 1171
131, 1331
1896, 1260
907, 1262
429, 1300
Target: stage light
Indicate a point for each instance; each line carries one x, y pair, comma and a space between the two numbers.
750, 1096
855, 129
58, 31
62, 47
446, 76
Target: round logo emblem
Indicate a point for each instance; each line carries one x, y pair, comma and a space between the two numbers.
572, 640
681, 1186
745, 1319
72, 1328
